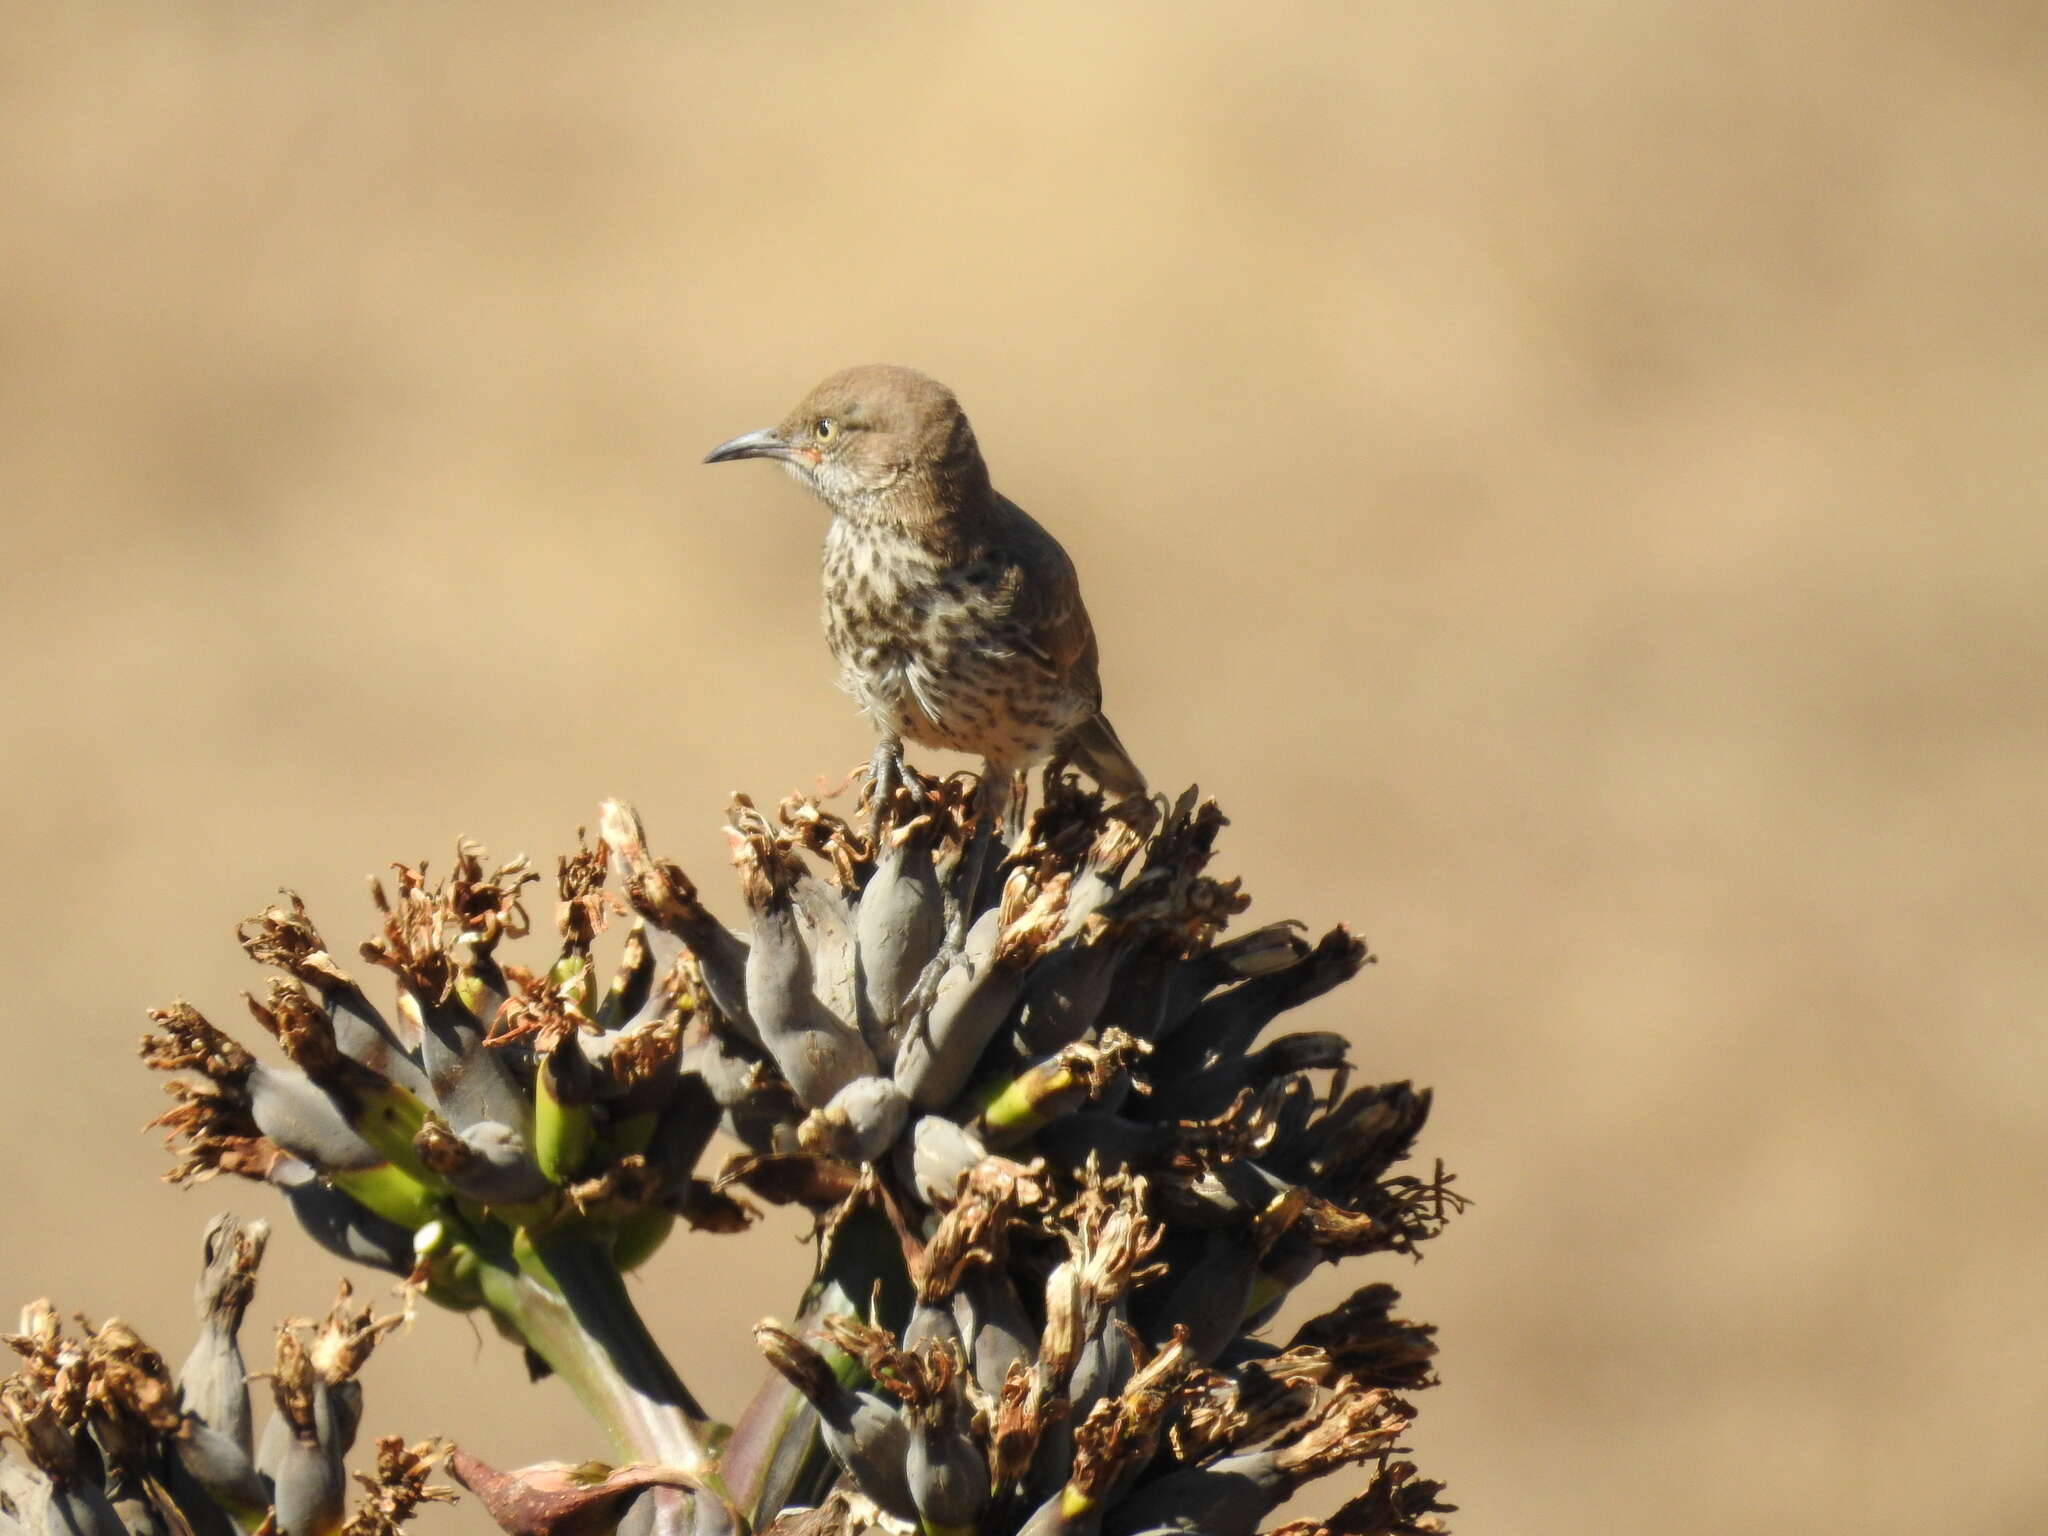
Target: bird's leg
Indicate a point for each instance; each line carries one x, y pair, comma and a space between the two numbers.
997, 783
1049, 779
1017, 803
885, 777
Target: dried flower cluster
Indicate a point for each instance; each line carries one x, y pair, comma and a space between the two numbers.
1061, 1192
106, 1443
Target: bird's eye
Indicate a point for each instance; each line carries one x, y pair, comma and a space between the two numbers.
827, 429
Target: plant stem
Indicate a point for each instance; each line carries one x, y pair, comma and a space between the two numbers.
590, 1333
586, 1327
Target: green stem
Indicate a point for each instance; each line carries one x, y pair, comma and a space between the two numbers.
586, 1328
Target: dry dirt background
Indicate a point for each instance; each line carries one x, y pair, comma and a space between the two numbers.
1567, 477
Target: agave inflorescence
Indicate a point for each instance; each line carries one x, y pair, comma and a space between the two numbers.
1059, 1205
109, 1443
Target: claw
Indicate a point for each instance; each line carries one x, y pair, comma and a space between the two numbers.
885, 777
917, 1003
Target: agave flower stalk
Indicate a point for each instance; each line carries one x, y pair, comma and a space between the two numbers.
485, 1191
106, 1442
1060, 1197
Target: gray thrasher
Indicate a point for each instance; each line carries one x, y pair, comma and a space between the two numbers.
956, 619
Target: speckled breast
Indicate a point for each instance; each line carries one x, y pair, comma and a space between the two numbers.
931, 659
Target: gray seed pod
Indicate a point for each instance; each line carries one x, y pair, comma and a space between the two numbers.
366, 1036
1104, 1364
723, 964
1258, 953
296, 1113
1229, 1498
994, 1327
1208, 1297
341, 1226
947, 1472
1295, 1110
310, 1488
901, 920
200, 1510
471, 1084
726, 1071
871, 1439
632, 999
685, 1126
1068, 987
214, 1380
721, 957
864, 1118
80, 1508
1061, 1515
866, 1433
938, 1055
1064, 997
818, 1052
271, 1445
487, 1161
1204, 1094
931, 1323
225, 1470
133, 1507
733, 1080
941, 1150
285, 937
828, 928
337, 1414
1225, 1026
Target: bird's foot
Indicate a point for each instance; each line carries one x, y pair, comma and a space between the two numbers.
1015, 805
885, 777
918, 1003
952, 954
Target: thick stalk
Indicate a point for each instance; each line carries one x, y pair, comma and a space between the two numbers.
600, 1347
590, 1333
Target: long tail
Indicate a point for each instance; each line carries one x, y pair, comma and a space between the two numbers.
1094, 749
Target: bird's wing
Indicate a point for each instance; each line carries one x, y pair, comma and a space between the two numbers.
1042, 596
1055, 624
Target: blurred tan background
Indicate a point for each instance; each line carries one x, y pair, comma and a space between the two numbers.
1567, 477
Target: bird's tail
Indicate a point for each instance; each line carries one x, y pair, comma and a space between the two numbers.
1095, 750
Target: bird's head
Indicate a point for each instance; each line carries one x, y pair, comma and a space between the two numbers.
871, 435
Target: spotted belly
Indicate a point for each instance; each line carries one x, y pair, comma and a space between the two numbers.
931, 660
1002, 707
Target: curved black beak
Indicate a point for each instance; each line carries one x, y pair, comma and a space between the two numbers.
764, 444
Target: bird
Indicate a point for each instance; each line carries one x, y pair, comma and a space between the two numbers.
956, 619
